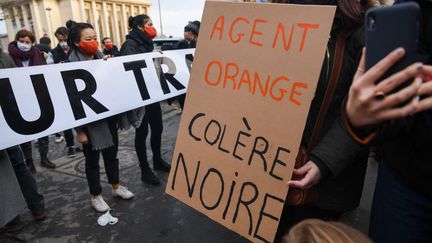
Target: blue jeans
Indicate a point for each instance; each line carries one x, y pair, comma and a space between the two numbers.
27, 182
399, 214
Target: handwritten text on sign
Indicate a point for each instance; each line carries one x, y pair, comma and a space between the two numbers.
254, 76
42, 100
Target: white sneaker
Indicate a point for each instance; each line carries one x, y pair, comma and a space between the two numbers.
122, 192
99, 204
59, 139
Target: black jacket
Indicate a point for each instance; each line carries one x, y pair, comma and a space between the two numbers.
136, 42
59, 55
341, 160
113, 52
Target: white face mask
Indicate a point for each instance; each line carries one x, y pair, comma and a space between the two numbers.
64, 45
24, 47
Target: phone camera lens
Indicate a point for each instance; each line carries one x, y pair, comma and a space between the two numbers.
371, 22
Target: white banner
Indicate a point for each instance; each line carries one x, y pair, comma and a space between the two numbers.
43, 100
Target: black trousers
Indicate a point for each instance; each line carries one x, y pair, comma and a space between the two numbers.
69, 137
27, 182
43, 144
152, 117
110, 161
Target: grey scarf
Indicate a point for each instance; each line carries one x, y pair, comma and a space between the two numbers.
99, 133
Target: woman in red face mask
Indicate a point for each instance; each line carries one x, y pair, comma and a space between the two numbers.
140, 40
98, 137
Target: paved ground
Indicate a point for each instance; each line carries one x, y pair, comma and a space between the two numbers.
151, 217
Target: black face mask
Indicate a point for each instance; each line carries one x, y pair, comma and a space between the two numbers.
316, 2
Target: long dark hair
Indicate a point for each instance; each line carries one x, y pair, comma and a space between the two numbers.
139, 20
75, 33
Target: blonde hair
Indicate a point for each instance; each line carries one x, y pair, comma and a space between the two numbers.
318, 231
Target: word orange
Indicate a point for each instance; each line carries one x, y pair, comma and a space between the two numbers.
256, 29
229, 75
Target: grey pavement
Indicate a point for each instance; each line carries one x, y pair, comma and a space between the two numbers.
152, 216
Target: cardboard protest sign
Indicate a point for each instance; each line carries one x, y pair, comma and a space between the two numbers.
42, 100
254, 76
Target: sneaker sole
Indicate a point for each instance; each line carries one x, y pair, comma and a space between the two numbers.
101, 211
117, 196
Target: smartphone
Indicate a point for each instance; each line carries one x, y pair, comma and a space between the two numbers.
388, 28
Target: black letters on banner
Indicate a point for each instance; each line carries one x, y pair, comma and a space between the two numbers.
11, 111
168, 75
75, 96
136, 67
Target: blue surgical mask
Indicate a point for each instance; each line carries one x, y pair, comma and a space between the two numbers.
24, 47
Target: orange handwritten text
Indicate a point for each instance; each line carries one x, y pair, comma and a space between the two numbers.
254, 32
230, 76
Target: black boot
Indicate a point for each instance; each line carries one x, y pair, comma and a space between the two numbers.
161, 165
45, 162
30, 165
148, 176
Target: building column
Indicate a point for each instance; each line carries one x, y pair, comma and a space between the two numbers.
140, 10
82, 10
25, 17
132, 10
105, 25
94, 18
17, 19
117, 39
9, 25
125, 20
37, 24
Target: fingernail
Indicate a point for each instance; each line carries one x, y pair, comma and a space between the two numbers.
419, 67
399, 51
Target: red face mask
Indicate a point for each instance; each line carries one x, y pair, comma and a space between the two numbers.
109, 46
150, 31
89, 48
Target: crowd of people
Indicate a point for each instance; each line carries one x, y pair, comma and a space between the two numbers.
78, 42
343, 124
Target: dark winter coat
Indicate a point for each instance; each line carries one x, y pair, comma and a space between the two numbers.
59, 55
136, 43
113, 52
341, 160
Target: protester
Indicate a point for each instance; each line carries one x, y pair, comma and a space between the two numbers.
101, 136
35, 201
11, 201
140, 40
318, 231
191, 32
12, 204
109, 48
60, 55
330, 168
44, 45
400, 124
25, 54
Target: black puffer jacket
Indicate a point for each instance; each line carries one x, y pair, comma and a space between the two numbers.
341, 160
136, 42
59, 55
112, 52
